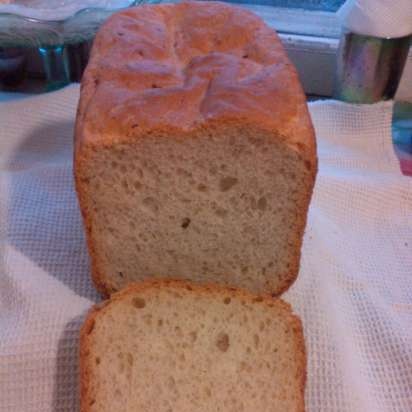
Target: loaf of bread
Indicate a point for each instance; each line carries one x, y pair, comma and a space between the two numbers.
162, 346
195, 154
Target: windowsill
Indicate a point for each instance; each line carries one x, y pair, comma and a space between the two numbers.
299, 21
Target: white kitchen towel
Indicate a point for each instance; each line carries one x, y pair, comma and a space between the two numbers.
354, 291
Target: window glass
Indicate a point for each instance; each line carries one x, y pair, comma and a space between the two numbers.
324, 5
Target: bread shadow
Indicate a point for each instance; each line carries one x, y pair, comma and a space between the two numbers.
66, 393
44, 220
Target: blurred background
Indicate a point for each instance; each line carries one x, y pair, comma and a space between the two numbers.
45, 44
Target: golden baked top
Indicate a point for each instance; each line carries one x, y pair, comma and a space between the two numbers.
181, 66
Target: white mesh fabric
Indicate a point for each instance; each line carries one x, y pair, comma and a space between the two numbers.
354, 291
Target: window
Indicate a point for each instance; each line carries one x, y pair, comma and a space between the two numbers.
324, 5
310, 32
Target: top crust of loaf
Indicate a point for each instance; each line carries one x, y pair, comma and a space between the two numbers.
179, 68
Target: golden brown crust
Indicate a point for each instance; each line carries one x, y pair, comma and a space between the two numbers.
184, 65
97, 275
181, 68
86, 333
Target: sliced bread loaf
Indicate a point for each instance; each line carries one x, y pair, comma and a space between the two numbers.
165, 346
195, 153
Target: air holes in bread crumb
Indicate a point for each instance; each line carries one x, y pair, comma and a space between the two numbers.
221, 212
138, 303
185, 222
226, 183
171, 383
201, 187
130, 359
222, 342
97, 360
143, 238
150, 204
227, 300
125, 184
183, 172
256, 340
262, 204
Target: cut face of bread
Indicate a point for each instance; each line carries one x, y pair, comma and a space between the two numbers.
194, 158
174, 346
227, 208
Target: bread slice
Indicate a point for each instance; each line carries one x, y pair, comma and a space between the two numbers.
164, 346
195, 153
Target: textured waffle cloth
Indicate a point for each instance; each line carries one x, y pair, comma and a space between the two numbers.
354, 291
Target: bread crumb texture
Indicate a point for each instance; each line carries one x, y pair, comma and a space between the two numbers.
172, 346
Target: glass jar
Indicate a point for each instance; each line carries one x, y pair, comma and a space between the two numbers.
42, 55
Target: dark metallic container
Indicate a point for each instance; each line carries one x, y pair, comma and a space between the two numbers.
369, 68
